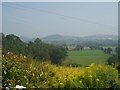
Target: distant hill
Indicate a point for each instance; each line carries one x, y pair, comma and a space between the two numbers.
55, 37
60, 39
103, 37
71, 39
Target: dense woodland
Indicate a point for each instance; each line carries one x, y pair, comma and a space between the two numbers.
36, 50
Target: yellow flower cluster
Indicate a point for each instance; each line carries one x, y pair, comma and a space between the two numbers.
46, 75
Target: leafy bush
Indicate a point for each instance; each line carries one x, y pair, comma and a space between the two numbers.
112, 60
18, 70
14, 71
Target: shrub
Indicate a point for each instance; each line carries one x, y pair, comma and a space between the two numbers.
18, 70
13, 71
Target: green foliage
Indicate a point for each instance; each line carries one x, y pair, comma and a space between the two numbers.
108, 50
12, 43
14, 71
57, 55
18, 70
36, 49
112, 60
78, 47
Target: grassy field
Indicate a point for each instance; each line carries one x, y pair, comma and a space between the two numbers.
86, 57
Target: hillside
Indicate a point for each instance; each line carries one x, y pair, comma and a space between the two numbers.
59, 39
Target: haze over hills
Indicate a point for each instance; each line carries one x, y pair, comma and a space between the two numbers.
26, 39
60, 39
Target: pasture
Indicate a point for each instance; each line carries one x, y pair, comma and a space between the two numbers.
86, 57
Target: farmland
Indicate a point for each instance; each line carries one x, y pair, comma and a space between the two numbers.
86, 57
38, 65
59, 45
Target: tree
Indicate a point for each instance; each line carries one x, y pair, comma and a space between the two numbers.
109, 50
37, 49
13, 43
91, 47
112, 60
78, 47
38, 41
57, 55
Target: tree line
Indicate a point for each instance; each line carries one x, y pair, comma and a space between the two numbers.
37, 49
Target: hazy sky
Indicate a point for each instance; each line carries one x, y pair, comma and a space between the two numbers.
64, 18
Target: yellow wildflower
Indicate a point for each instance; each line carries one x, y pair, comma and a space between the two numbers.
97, 80
90, 76
80, 82
61, 85
92, 64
